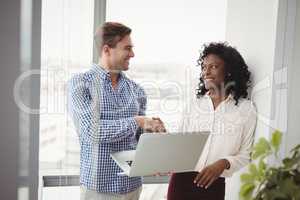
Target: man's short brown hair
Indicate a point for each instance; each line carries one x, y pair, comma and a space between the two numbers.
110, 33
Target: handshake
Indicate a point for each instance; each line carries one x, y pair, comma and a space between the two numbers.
153, 124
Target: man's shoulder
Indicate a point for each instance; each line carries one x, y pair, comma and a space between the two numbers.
86, 76
81, 83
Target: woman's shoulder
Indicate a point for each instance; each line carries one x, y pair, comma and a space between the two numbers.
247, 106
245, 102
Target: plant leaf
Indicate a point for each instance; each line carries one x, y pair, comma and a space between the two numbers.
296, 148
246, 190
253, 170
261, 168
297, 193
247, 178
261, 148
276, 140
262, 165
290, 162
275, 194
288, 186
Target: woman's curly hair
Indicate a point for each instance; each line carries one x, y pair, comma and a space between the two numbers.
237, 75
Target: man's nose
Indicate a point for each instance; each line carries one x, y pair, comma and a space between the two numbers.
131, 53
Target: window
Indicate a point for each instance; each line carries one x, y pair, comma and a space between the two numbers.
67, 47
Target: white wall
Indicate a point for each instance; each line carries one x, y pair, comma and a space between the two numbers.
251, 27
267, 33
293, 132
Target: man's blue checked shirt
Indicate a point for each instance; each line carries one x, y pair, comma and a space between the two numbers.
103, 117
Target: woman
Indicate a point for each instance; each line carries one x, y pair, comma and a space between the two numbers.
222, 109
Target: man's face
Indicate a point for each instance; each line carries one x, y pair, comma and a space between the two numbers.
120, 55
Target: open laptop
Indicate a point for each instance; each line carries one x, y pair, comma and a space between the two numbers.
162, 153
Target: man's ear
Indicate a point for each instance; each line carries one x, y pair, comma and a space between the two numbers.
106, 50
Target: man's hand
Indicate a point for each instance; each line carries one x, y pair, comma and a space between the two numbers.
161, 127
150, 124
210, 173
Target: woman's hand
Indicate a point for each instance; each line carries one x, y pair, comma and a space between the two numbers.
210, 173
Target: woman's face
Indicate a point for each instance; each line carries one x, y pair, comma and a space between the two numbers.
213, 72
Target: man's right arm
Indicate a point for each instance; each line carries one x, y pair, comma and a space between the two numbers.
84, 107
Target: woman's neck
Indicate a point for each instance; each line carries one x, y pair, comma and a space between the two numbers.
217, 97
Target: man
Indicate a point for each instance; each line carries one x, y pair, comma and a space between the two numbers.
107, 109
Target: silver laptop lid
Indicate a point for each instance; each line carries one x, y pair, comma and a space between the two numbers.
176, 152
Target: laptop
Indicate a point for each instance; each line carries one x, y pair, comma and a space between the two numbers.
163, 153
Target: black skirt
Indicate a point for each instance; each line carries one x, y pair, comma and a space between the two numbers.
182, 187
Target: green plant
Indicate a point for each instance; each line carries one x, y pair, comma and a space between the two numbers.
270, 182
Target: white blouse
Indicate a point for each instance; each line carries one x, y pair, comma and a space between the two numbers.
231, 130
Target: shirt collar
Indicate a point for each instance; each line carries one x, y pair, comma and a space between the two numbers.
229, 97
103, 73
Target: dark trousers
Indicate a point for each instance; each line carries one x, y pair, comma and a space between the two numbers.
182, 187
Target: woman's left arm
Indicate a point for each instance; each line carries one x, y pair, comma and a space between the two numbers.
242, 158
230, 164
